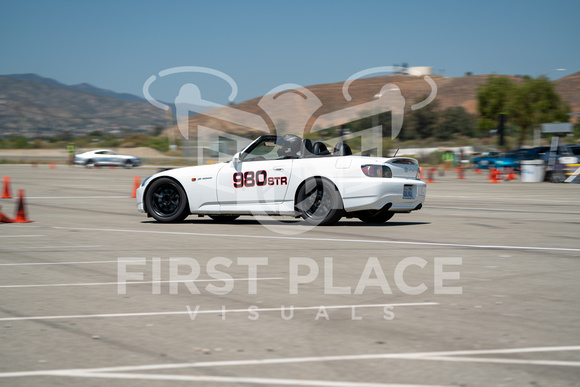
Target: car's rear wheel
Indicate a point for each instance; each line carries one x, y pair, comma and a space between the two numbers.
90, 164
375, 217
128, 164
166, 201
224, 218
319, 203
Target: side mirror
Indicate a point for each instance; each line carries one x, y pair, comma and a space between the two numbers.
236, 159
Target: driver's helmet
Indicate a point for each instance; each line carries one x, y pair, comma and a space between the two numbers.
289, 145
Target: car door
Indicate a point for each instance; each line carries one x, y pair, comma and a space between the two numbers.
256, 182
103, 157
258, 177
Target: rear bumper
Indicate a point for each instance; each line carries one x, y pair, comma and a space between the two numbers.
375, 195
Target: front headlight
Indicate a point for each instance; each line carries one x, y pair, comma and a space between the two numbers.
372, 170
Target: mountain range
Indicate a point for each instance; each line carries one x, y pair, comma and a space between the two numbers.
33, 106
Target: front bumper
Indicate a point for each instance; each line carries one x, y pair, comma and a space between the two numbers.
139, 197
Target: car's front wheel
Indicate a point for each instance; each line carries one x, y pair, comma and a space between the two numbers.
166, 201
319, 203
128, 164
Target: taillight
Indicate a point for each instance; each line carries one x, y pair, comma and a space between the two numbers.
377, 170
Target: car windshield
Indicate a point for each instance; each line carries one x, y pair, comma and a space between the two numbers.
266, 149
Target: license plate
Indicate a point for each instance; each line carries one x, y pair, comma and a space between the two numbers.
408, 192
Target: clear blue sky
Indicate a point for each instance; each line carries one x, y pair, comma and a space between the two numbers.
118, 45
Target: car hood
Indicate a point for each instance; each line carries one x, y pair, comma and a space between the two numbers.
198, 171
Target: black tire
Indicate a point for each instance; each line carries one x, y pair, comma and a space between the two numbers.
319, 203
128, 164
166, 201
375, 217
90, 164
224, 218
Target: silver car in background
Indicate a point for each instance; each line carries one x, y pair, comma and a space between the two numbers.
106, 157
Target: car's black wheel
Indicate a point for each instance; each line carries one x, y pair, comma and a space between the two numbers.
375, 217
319, 203
128, 164
224, 218
166, 201
90, 164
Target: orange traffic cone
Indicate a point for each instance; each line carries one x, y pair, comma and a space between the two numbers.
460, 173
21, 212
6, 194
511, 175
431, 173
477, 170
4, 218
493, 176
52, 165
136, 184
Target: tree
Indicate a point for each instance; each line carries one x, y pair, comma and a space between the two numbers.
533, 102
421, 123
456, 121
527, 104
492, 100
157, 130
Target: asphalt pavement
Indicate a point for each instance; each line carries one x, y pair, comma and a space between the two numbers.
479, 288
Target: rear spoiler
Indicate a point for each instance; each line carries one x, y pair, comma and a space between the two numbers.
403, 160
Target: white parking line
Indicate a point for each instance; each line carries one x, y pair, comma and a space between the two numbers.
505, 361
539, 198
441, 355
78, 197
189, 312
500, 210
436, 244
73, 263
50, 247
137, 282
21, 236
242, 380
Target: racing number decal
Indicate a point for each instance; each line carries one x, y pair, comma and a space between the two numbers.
259, 178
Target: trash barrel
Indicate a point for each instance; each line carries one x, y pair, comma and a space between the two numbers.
532, 171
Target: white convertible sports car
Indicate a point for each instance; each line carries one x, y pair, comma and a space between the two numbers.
287, 176
106, 157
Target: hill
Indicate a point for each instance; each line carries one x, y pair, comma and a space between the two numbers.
451, 92
81, 87
569, 89
33, 106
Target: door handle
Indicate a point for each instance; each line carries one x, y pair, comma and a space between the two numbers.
278, 168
